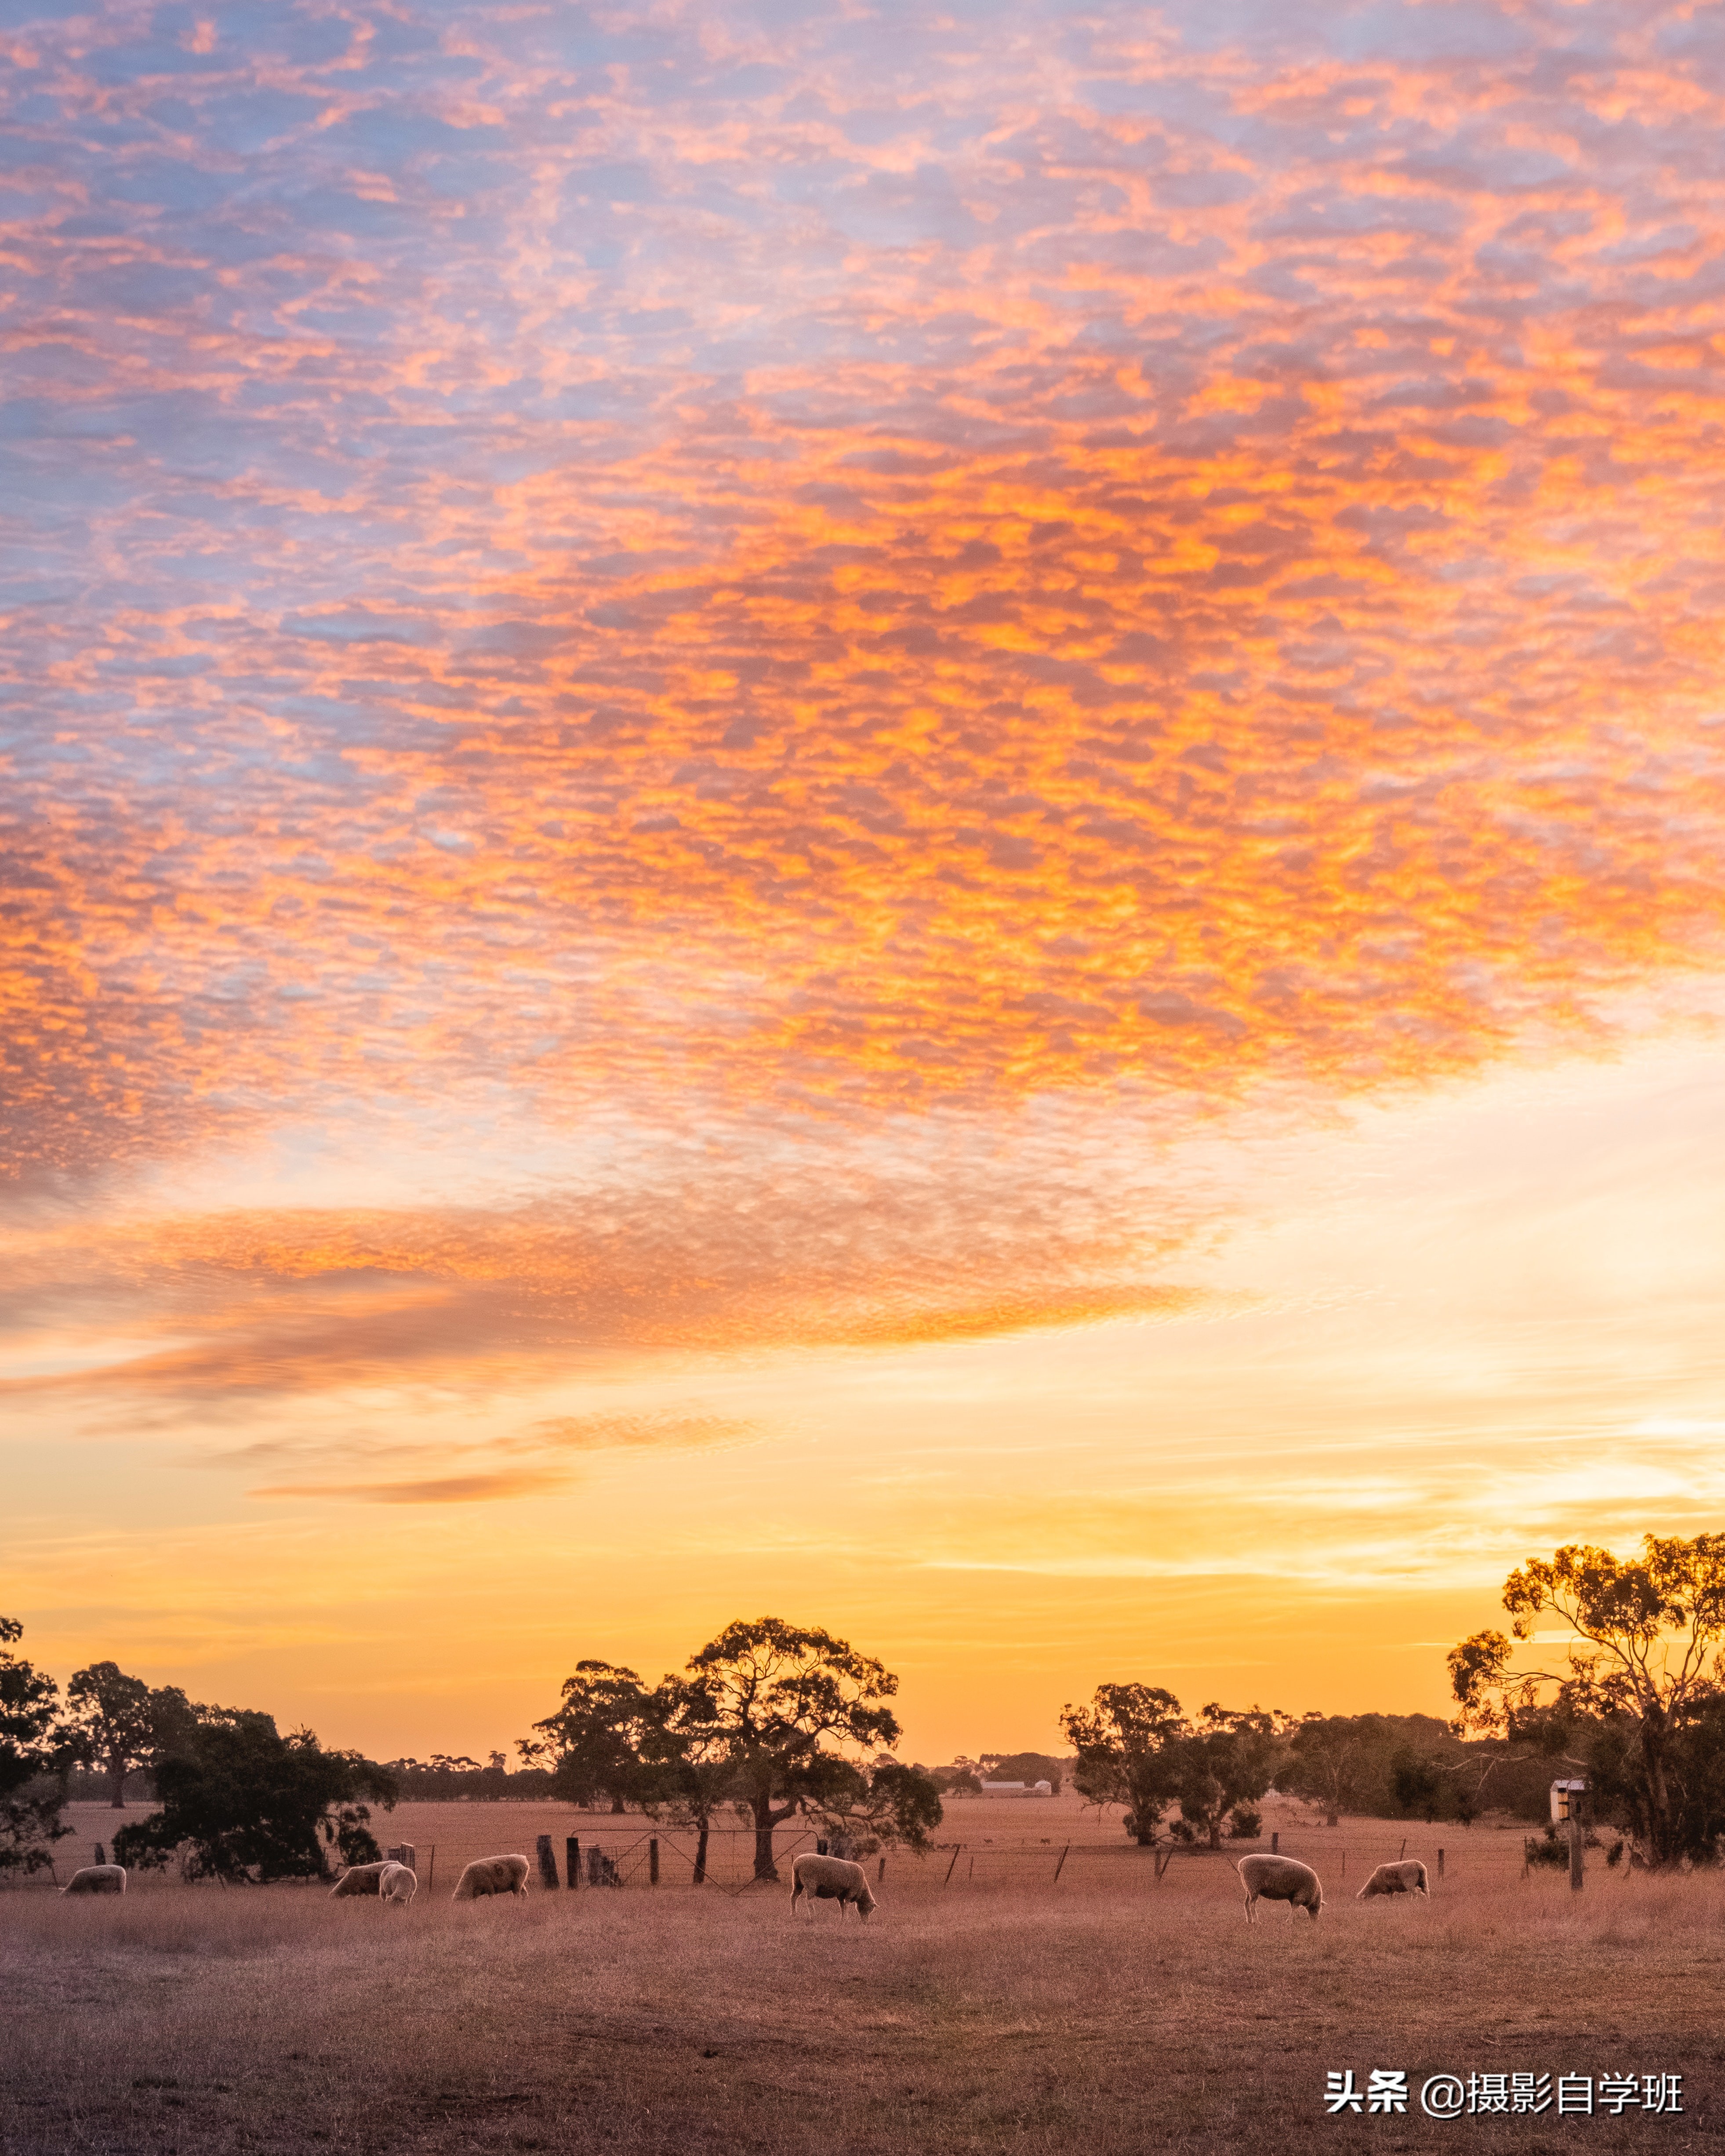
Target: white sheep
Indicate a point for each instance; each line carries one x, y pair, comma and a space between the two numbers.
398, 1883
1408, 1877
1280, 1879
492, 1875
360, 1879
830, 1879
97, 1879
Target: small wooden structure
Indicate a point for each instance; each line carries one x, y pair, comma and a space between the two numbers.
1568, 1801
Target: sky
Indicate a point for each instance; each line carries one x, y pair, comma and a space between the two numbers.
909, 816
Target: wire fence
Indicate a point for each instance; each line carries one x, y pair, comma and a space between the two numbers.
595, 1851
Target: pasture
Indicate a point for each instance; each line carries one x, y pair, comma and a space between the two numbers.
1101, 2014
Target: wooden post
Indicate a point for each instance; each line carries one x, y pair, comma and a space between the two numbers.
880, 1872
571, 1860
1344, 1864
653, 1862
1065, 1853
1575, 1833
1440, 1864
1161, 1862
547, 1863
1274, 1843
431, 1867
970, 1869
1403, 1850
957, 1850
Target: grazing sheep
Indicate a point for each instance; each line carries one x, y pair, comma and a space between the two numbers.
1406, 1878
97, 1879
360, 1879
830, 1879
399, 1883
1280, 1879
492, 1875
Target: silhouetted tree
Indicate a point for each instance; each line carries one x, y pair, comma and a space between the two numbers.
1124, 1740
112, 1713
687, 1747
1642, 1681
31, 1748
1334, 1760
785, 1696
594, 1740
904, 1805
1418, 1786
240, 1802
1228, 1759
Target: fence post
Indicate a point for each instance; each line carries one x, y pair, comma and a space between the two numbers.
1403, 1850
1344, 1864
1065, 1853
957, 1850
1575, 1832
880, 1871
653, 1863
1440, 1864
1274, 1843
547, 1863
431, 1867
571, 1860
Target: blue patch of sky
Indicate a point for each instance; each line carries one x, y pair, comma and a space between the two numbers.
332, 212
399, 132
167, 183
360, 625
116, 66
609, 181
309, 40
244, 123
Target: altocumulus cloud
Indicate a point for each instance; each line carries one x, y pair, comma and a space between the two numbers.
894, 586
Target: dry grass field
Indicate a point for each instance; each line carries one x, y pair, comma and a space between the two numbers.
1101, 2014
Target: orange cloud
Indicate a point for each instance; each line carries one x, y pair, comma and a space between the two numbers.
435, 1489
746, 632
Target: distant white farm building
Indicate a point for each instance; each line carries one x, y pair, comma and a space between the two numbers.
1018, 1788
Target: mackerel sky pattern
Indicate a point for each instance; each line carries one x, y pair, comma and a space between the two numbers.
847, 613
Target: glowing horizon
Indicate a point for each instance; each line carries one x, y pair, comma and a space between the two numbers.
911, 818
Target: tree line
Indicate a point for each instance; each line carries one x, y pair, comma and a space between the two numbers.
769, 1720
1635, 1705
771, 1723
238, 1800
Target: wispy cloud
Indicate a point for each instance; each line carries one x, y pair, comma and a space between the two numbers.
532, 1460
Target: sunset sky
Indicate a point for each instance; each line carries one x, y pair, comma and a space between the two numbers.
909, 816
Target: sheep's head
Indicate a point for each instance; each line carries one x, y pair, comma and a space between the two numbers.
865, 1904
1314, 1904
